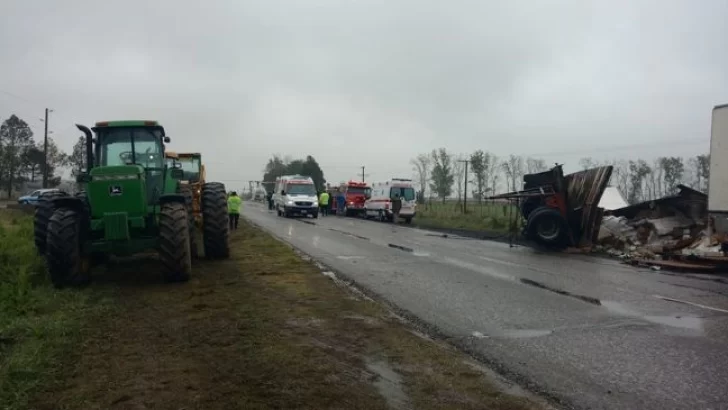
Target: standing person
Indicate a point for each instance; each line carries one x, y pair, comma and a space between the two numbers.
269, 195
396, 206
341, 202
324, 203
234, 203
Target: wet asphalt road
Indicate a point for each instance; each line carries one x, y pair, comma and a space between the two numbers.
589, 332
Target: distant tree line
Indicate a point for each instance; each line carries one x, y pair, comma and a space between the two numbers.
441, 174
278, 166
22, 159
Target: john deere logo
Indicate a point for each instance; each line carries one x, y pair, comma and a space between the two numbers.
115, 190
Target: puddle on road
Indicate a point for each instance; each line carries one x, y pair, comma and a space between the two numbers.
513, 333
524, 333
388, 384
679, 321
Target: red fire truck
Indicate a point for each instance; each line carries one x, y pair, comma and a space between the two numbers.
354, 194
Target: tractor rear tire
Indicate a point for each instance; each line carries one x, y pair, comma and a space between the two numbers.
215, 231
66, 264
546, 226
174, 242
43, 212
186, 191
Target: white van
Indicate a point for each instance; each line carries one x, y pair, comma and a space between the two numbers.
379, 204
295, 195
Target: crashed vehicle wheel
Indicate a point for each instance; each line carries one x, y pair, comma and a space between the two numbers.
548, 227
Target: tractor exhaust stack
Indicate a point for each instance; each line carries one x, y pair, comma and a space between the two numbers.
89, 146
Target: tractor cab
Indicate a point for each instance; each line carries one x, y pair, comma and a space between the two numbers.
132, 150
191, 164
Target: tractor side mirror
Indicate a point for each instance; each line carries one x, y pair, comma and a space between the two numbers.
83, 178
177, 173
167, 140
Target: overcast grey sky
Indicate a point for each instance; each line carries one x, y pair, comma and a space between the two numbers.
373, 82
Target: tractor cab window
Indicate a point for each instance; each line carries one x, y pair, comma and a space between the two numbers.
126, 146
191, 168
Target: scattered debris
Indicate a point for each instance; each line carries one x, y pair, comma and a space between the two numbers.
669, 233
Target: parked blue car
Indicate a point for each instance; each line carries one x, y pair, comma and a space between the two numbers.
31, 198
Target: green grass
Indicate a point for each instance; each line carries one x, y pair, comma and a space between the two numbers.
479, 217
38, 325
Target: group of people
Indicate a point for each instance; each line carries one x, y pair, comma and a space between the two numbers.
234, 203
325, 203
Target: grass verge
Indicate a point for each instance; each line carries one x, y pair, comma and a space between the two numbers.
264, 329
479, 217
38, 325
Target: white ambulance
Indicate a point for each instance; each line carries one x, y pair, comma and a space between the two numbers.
379, 204
295, 195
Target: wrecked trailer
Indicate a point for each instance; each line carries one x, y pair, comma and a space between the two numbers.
562, 210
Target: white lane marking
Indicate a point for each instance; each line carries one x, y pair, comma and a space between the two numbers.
691, 304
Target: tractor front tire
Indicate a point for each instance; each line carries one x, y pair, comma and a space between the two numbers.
174, 242
186, 191
66, 264
43, 212
215, 221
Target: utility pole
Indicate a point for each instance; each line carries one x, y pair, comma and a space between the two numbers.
465, 197
45, 150
362, 173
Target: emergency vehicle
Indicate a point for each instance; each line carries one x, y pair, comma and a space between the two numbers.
295, 195
379, 204
355, 194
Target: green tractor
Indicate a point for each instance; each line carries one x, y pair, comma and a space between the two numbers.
133, 202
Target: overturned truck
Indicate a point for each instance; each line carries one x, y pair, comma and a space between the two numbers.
560, 210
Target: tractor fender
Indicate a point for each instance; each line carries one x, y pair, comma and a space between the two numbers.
70, 202
171, 198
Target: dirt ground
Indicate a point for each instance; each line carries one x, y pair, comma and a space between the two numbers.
263, 330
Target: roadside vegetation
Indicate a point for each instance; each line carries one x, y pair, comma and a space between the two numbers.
39, 326
486, 217
264, 329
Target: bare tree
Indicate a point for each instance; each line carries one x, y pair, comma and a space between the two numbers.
588, 163
620, 175
494, 173
534, 165
638, 171
700, 170
442, 176
513, 169
674, 169
481, 163
458, 171
422, 165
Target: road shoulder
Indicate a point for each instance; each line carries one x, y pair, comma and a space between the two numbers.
265, 329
